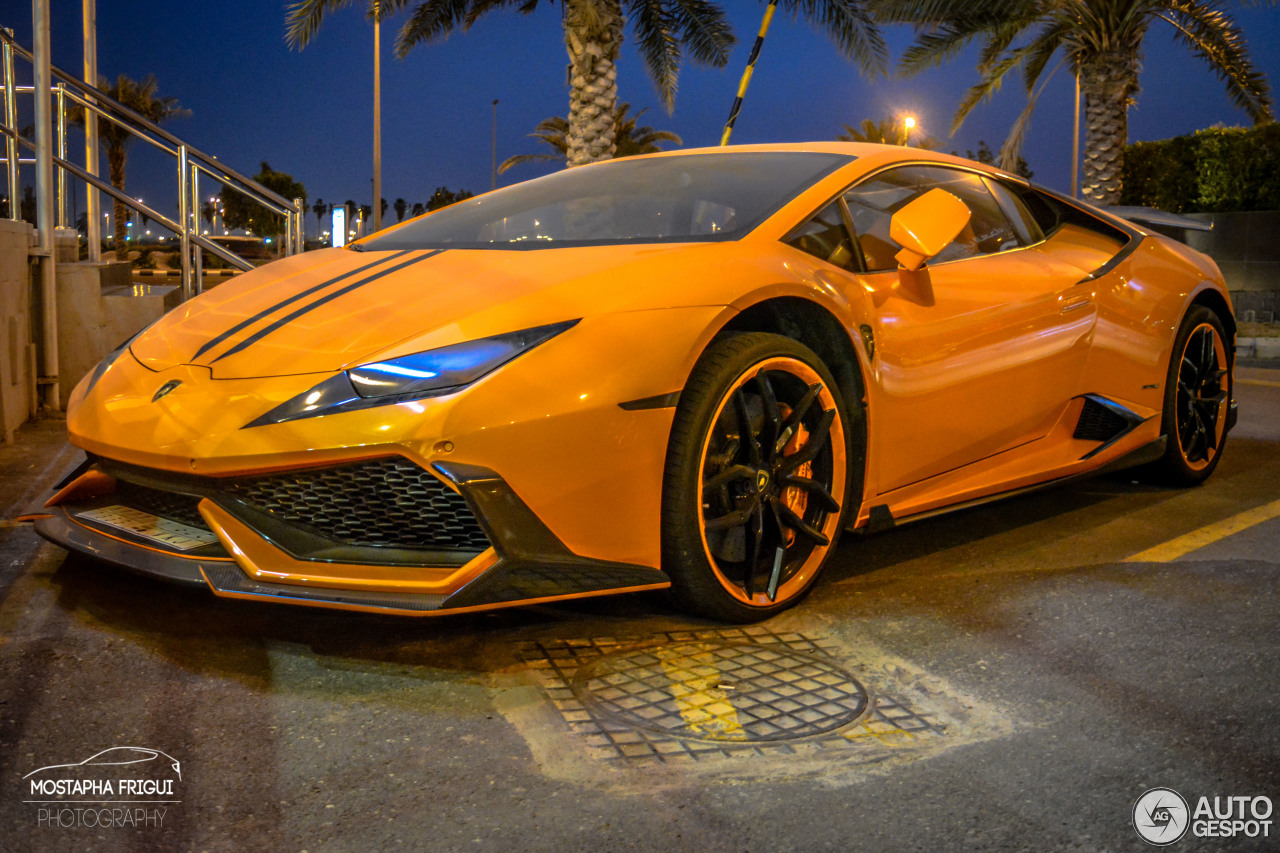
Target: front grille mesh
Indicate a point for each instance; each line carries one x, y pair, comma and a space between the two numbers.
384, 503
181, 508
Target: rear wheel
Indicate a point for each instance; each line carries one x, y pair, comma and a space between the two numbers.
756, 480
1197, 394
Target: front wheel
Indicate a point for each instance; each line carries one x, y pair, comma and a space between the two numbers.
757, 478
1197, 396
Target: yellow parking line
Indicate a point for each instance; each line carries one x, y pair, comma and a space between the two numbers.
1264, 383
703, 703
1196, 539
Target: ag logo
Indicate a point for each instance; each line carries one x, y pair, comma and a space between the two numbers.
1161, 816
166, 388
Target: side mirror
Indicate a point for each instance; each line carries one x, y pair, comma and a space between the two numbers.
925, 226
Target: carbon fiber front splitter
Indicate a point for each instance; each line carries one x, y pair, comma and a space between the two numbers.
529, 562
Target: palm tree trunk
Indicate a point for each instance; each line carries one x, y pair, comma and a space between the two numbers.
120, 213
593, 36
1109, 82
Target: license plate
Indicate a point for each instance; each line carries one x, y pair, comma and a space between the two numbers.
165, 531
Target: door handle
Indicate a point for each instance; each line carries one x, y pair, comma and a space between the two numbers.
1076, 302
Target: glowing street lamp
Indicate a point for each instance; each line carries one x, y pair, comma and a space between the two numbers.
908, 125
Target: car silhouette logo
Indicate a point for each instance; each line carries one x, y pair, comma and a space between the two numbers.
117, 755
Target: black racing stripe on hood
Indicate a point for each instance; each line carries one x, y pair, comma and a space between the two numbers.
306, 309
262, 315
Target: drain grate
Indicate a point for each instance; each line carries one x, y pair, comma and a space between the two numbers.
693, 695
721, 691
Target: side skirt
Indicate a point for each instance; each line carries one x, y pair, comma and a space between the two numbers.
883, 519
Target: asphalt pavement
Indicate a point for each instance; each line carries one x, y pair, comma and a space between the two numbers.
1012, 677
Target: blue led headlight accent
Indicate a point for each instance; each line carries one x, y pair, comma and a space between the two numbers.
412, 377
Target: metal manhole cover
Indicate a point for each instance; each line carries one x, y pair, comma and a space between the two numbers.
735, 692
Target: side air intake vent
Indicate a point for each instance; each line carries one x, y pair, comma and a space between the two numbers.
1100, 422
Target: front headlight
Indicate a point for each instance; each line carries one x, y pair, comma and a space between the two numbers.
412, 377
440, 371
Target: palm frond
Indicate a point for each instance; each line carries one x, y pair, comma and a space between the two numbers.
303, 19
518, 159
998, 39
432, 20
655, 34
704, 31
928, 13
936, 46
1008, 159
851, 25
1215, 38
988, 85
1042, 49
480, 8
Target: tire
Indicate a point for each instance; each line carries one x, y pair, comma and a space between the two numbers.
1196, 396
747, 526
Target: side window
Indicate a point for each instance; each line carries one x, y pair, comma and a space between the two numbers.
1023, 222
824, 236
1046, 211
872, 204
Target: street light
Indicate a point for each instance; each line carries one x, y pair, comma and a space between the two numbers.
908, 125
377, 116
495, 146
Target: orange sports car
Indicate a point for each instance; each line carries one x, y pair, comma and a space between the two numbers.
687, 371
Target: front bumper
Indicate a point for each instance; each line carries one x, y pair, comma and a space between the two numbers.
495, 554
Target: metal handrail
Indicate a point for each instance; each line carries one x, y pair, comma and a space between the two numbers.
215, 248
191, 163
144, 122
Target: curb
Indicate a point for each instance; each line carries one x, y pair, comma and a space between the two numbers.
1258, 347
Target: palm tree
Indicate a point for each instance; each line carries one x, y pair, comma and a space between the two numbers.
593, 32
400, 207
628, 139
1099, 40
320, 209
115, 140
885, 132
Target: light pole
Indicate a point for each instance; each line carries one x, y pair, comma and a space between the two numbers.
1075, 144
494, 182
377, 116
908, 125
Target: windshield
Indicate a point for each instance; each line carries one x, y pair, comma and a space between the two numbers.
688, 198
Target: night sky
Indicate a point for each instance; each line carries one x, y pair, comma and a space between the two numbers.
309, 113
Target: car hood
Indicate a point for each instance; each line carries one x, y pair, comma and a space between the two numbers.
325, 310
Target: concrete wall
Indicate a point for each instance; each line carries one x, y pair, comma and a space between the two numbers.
17, 392
98, 309
1246, 247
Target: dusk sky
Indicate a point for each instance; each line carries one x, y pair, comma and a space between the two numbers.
309, 113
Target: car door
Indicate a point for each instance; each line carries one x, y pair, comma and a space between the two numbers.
981, 350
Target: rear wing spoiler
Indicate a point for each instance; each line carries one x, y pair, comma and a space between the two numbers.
1157, 218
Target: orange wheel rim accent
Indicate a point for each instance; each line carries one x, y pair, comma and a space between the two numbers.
799, 560
1201, 397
